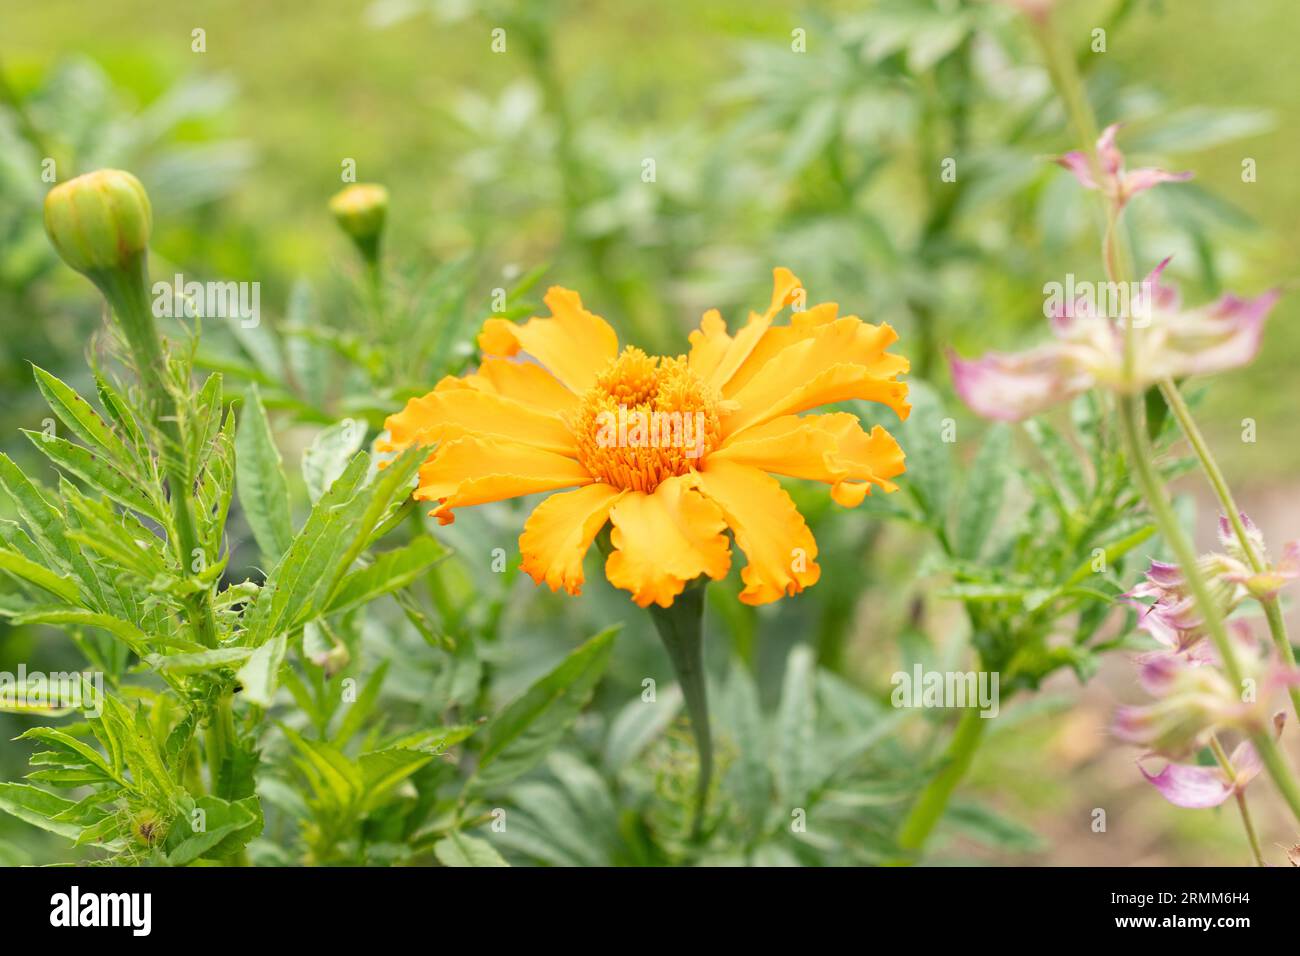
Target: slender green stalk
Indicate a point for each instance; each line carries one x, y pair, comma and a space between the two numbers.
126, 294
1272, 609
1166, 522
1222, 757
933, 799
681, 628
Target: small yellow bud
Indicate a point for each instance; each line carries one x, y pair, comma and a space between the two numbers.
360, 210
100, 221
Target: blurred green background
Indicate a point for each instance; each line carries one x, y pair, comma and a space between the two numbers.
825, 161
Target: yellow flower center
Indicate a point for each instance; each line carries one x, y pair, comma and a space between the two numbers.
646, 419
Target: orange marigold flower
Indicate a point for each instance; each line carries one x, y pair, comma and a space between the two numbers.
670, 451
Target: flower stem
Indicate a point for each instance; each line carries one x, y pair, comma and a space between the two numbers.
680, 627
1226, 763
126, 293
1272, 611
932, 801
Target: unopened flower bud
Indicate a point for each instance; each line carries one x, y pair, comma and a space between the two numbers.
99, 222
360, 210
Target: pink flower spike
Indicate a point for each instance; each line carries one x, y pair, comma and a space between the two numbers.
1118, 184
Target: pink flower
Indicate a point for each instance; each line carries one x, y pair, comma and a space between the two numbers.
1197, 788
1173, 618
1118, 185
1088, 350
1193, 699
1267, 583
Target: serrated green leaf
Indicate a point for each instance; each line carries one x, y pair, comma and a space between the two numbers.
329, 453
982, 495
391, 571
382, 770
95, 471
259, 478
637, 724
929, 456
260, 676
37, 807
200, 662
795, 729
75, 412
527, 729
39, 575
124, 631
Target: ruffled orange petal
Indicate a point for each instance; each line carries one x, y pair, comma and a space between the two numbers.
454, 411
472, 471
525, 382
768, 528
839, 360
832, 448
558, 533
715, 355
573, 344
665, 539
802, 325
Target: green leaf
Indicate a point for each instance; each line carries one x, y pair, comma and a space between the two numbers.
528, 728
36, 574
77, 414
361, 708
201, 661
637, 724
929, 457
335, 778
749, 781
382, 770
992, 829
391, 571
220, 821
457, 849
43, 519
1157, 411
985, 592
71, 745
982, 496
37, 807
127, 633
259, 478
1199, 127
795, 728
94, 471
1067, 480
328, 455
260, 676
